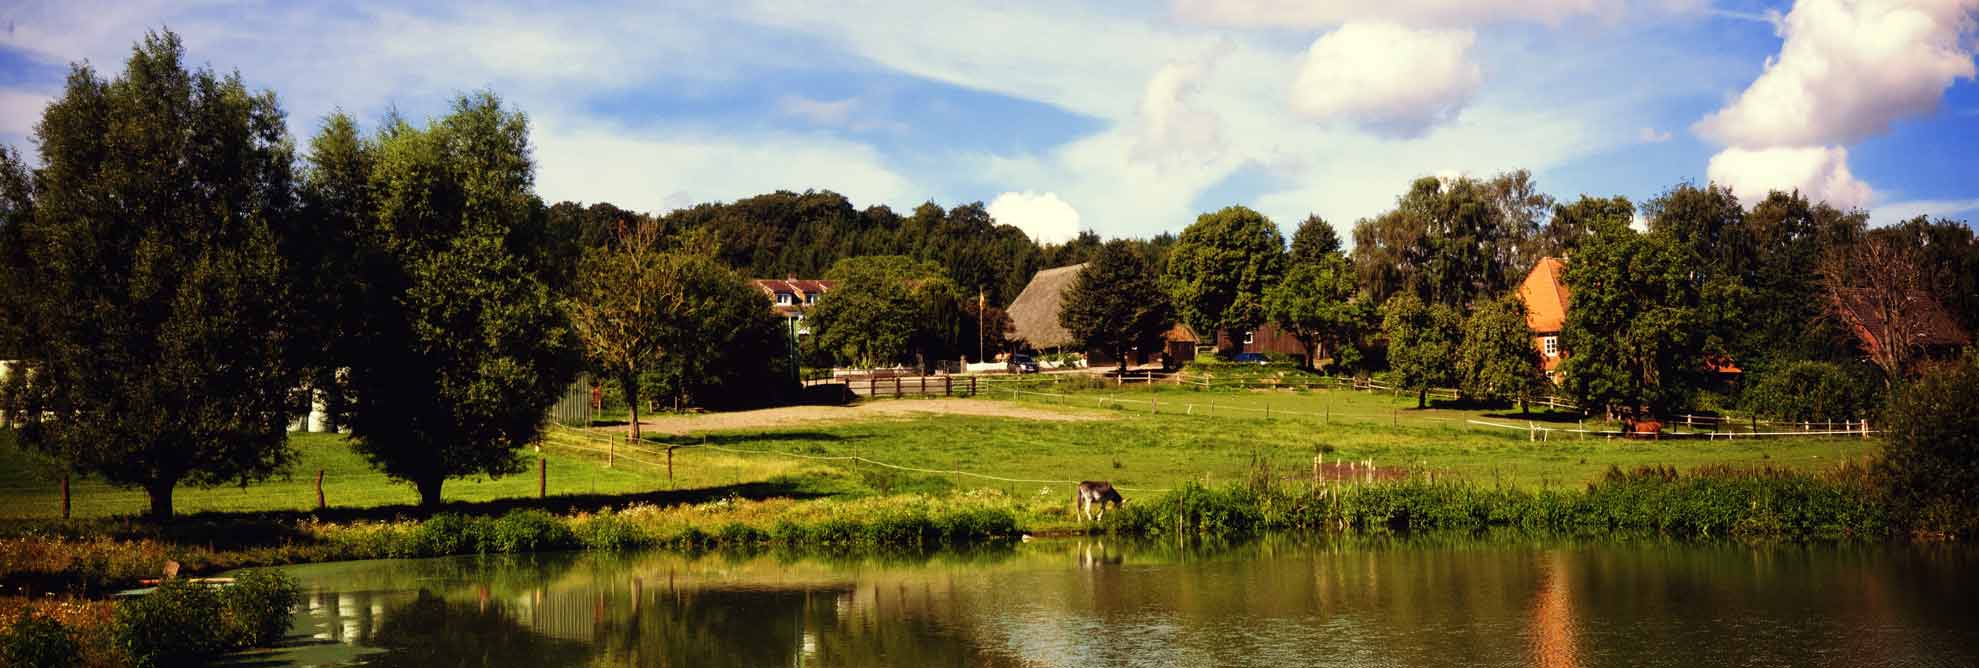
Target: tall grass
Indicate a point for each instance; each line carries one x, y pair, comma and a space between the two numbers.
1721, 502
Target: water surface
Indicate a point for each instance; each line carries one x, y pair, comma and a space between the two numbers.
1423, 601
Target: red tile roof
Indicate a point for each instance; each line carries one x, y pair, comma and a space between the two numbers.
1545, 295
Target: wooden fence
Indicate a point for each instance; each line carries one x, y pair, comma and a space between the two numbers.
912, 386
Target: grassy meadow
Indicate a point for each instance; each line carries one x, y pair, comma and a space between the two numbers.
1140, 439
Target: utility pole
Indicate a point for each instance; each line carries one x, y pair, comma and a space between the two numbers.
982, 304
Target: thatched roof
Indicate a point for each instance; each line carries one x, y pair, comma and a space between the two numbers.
1035, 312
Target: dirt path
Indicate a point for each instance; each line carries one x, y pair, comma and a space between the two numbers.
786, 416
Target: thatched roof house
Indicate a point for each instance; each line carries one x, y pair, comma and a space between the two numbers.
1035, 312
1935, 330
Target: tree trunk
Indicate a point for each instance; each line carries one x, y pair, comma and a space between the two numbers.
429, 492
160, 492
1422, 397
631, 383
1525, 406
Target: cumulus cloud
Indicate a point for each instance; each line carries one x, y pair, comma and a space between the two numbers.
1172, 121
1820, 173
1388, 79
1319, 13
1847, 69
1042, 215
1897, 212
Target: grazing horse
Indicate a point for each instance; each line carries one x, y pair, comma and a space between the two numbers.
1095, 493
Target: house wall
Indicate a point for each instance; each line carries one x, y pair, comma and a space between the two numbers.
1267, 339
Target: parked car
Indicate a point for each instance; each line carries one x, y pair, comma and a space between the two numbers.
1249, 358
1022, 364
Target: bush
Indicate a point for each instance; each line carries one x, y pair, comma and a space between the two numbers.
444, 534
527, 531
35, 641
260, 607
1931, 466
1812, 391
175, 625
608, 531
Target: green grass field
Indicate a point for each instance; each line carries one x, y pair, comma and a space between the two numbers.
1132, 445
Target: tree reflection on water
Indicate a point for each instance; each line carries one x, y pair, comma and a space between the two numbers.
432, 632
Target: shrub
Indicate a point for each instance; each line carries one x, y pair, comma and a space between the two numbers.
608, 531
259, 607
36, 641
1812, 391
737, 533
1931, 466
174, 625
527, 531
444, 534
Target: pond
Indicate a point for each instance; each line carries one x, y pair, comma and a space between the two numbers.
1380, 601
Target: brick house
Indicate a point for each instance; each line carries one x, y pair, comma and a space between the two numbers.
1545, 294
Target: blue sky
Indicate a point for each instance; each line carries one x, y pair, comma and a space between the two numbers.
1125, 118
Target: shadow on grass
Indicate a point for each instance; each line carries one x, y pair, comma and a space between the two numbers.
246, 530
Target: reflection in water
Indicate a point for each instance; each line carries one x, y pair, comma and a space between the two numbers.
1426, 601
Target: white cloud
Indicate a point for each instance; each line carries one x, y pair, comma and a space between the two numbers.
1650, 135
1848, 69
1819, 173
819, 112
660, 170
1172, 122
1897, 212
20, 110
1320, 13
1042, 215
1386, 78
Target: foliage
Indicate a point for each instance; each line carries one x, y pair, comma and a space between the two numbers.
1116, 304
720, 346
1574, 224
627, 299
1313, 242
1422, 343
1948, 255
1451, 241
177, 624
1811, 391
1220, 267
1317, 304
1497, 360
146, 282
458, 344
36, 641
1931, 465
887, 310
259, 607
1634, 338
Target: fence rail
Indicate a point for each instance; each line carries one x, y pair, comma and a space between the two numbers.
912, 386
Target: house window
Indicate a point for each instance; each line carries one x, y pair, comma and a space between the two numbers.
783, 299
1552, 345
1250, 338
811, 298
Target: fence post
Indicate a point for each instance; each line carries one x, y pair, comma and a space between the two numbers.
319, 493
65, 494
669, 467
542, 478
896, 387
1318, 460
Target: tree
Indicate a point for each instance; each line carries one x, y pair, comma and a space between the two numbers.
1220, 267
459, 344
1950, 256
886, 309
1451, 241
1497, 361
153, 320
1878, 286
1313, 241
724, 345
1317, 304
1573, 224
627, 297
1930, 466
1116, 304
1634, 337
1422, 343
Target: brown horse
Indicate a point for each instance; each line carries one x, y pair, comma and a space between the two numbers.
1095, 493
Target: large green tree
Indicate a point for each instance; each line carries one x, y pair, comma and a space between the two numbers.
1422, 343
1497, 360
1220, 267
151, 312
886, 309
1318, 304
627, 296
1116, 304
1313, 241
459, 344
1635, 335
1451, 241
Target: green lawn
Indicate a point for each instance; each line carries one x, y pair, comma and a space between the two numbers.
1187, 440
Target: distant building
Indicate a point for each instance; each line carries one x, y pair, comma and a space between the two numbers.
1034, 314
791, 297
1545, 294
1938, 334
